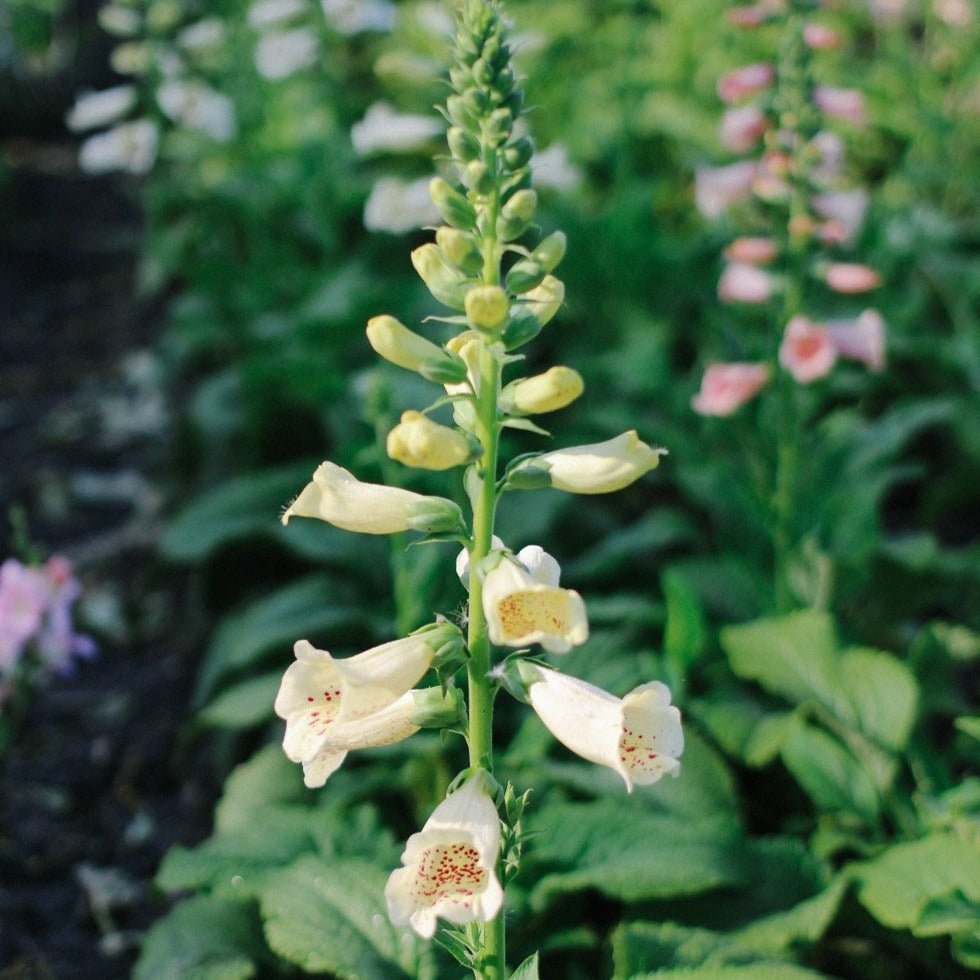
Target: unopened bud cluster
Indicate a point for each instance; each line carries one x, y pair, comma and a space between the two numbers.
797, 211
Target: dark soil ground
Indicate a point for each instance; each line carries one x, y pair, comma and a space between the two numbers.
101, 777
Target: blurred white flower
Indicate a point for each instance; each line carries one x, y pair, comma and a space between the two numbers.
398, 206
130, 147
94, 109
553, 168
267, 12
354, 16
283, 53
384, 130
207, 33
198, 106
718, 188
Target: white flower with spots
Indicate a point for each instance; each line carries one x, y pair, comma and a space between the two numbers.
523, 603
638, 736
332, 706
449, 865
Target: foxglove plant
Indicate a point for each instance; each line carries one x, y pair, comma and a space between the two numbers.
500, 294
798, 215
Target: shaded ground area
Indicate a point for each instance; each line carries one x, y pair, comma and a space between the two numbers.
101, 778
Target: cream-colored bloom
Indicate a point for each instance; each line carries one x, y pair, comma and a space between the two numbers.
486, 306
382, 130
280, 54
332, 706
545, 300
198, 106
396, 343
556, 388
600, 467
94, 109
449, 865
523, 603
128, 146
418, 441
638, 736
336, 496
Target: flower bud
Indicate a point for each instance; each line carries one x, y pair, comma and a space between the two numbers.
741, 283
524, 275
434, 709
518, 154
851, 277
460, 248
726, 387
459, 114
545, 300
517, 214
399, 345
752, 251
479, 177
550, 251
454, 207
486, 306
498, 126
548, 392
745, 81
462, 145
435, 515
445, 281
418, 441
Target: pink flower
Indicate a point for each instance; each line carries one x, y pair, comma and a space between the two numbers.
745, 81
717, 188
751, 251
770, 181
851, 277
750, 16
57, 641
821, 37
844, 212
741, 127
807, 351
828, 148
861, 339
741, 283
840, 103
726, 387
23, 598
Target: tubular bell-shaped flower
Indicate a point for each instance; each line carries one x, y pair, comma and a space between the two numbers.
336, 496
638, 736
523, 603
331, 706
600, 467
726, 387
449, 865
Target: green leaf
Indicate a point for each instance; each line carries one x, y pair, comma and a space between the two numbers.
884, 695
950, 913
203, 938
234, 509
528, 970
330, 917
267, 779
621, 849
829, 772
686, 630
897, 886
243, 705
969, 724
306, 608
757, 971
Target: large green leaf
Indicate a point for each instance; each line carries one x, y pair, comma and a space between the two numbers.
243, 705
203, 938
329, 916
528, 970
267, 779
307, 608
897, 886
620, 848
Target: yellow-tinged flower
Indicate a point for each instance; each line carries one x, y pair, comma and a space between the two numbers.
396, 343
418, 441
486, 306
332, 706
339, 498
523, 603
449, 865
545, 300
548, 392
600, 467
638, 736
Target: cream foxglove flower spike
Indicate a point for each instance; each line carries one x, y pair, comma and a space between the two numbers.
449, 865
638, 736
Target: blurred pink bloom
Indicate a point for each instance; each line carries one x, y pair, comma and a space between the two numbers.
742, 283
751, 251
745, 81
57, 641
718, 188
844, 212
861, 338
741, 128
726, 387
851, 277
828, 148
840, 103
821, 37
755, 15
23, 597
807, 351
955, 13
770, 181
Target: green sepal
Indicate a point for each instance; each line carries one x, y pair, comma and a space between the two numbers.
518, 154
550, 251
524, 275
523, 327
454, 942
463, 146
436, 707
454, 206
525, 425
527, 473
